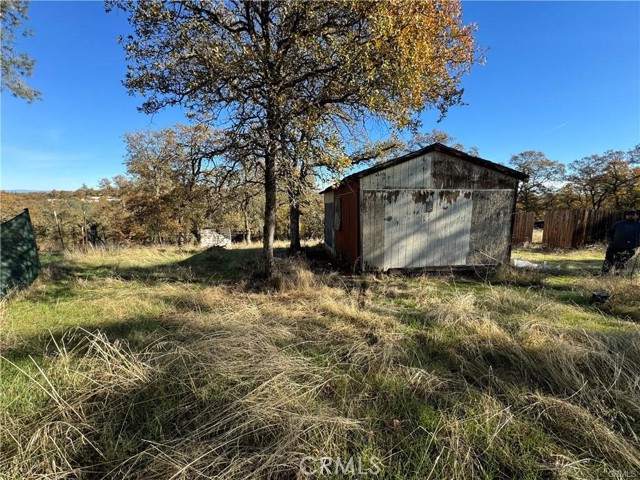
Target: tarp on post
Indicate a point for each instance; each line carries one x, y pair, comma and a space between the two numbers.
20, 263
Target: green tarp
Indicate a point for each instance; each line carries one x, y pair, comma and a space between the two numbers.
18, 253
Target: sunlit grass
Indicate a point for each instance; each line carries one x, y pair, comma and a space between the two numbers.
161, 363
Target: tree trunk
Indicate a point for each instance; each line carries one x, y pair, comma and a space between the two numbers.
247, 227
195, 231
181, 233
294, 222
270, 207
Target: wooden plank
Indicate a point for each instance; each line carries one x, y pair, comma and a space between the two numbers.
421, 200
401, 227
377, 184
412, 174
460, 231
436, 229
454, 238
407, 215
523, 227
386, 230
446, 232
328, 225
393, 177
405, 181
375, 230
424, 201
387, 178
436, 232
458, 252
575, 228
427, 177
458, 226
392, 245
466, 229
365, 182
365, 226
414, 224
417, 173
388, 226
427, 258
401, 215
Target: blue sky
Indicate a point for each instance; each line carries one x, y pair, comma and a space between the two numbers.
559, 77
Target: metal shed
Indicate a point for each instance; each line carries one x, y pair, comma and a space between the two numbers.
432, 208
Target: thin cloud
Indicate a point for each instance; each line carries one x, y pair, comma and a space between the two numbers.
558, 127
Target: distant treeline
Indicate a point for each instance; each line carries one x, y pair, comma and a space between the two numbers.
127, 214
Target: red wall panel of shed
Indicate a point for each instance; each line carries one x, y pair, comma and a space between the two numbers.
347, 236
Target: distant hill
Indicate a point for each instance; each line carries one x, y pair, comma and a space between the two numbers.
26, 191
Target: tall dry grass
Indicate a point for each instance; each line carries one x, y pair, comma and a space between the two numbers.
437, 378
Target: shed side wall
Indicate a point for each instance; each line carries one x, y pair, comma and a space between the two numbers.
346, 237
328, 221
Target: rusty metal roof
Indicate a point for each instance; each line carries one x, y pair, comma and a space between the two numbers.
434, 147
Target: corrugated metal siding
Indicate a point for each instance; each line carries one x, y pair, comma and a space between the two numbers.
437, 171
328, 224
491, 227
415, 173
435, 211
415, 228
452, 173
346, 237
328, 220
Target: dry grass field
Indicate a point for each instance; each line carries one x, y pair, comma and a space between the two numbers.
179, 364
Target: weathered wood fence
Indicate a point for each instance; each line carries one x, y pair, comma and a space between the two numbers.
566, 228
575, 228
523, 227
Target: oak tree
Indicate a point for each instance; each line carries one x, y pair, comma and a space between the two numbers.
545, 177
15, 66
172, 172
258, 67
609, 180
318, 153
420, 140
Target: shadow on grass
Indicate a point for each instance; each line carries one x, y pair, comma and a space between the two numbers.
132, 415
213, 266
184, 396
135, 330
575, 268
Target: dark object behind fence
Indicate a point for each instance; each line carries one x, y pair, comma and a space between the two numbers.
19, 259
575, 228
522, 227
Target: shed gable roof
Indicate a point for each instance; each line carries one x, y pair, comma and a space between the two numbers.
435, 147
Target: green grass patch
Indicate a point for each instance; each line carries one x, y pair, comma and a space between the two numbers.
160, 363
